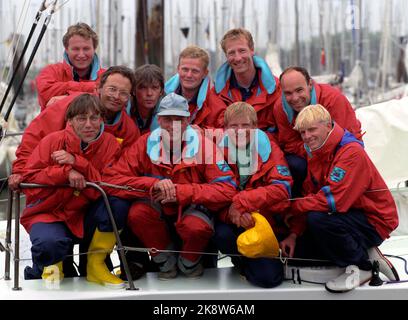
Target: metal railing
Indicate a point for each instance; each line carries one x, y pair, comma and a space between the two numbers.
16, 258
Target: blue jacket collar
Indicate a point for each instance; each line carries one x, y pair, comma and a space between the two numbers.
95, 66
260, 144
174, 82
290, 113
267, 78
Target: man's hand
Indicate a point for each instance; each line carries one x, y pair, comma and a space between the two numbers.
288, 245
14, 180
164, 191
247, 221
234, 215
76, 180
63, 157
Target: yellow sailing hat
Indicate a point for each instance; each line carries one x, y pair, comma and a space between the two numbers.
258, 241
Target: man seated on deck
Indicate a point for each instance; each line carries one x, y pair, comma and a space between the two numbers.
299, 91
55, 217
79, 72
193, 83
349, 209
184, 186
114, 91
265, 187
149, 89
246, 77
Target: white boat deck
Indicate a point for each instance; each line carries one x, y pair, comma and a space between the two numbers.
223, 283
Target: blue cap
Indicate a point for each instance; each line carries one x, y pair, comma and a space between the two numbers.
173, 105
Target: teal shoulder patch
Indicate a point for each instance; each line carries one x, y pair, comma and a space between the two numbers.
337, 174
283, 170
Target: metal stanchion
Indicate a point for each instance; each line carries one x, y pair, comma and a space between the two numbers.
8, 235
120, 247
116, 232
17, 243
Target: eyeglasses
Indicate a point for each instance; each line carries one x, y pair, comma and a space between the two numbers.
82, 119
112, 91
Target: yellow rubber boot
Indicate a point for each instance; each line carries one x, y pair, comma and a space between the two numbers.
96, 269
53, 273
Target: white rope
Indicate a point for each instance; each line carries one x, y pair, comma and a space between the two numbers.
61, 5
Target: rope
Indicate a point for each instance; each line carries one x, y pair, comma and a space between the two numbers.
284, 260
155, 251
61, 5
120, 187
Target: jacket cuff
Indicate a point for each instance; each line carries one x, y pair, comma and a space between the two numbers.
184, 194
80, 164
296, 208
239, 205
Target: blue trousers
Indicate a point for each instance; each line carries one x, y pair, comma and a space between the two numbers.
262, 272
52, 242
342, 238
298, 170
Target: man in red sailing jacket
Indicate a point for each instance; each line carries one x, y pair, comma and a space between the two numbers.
79, 72
246, 77
192, 82
349, 208
54, 218
184, 186
299, 91
114, 91
149, 89
265, 187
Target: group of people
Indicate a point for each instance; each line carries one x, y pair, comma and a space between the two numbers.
203, 162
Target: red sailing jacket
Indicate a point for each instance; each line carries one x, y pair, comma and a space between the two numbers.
53, 119
199, 179
264, 95
65, 204
329, 97
341, 176
202, 113
268, 189
58, 80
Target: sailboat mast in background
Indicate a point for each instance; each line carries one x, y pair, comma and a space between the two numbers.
149, 45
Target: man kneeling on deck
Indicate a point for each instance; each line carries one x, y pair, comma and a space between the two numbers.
54, 217
349, 208
265, 183
185, 186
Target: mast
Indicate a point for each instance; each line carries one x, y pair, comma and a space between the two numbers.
243, 11
115, 31
109, 33
321, 35
98, 25
381, 79
149, 33
141, 33
196, 6
297, 47
216, 39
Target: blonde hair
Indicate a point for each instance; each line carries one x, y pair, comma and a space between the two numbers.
310, 115
234, 34
194, 52
240, 109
